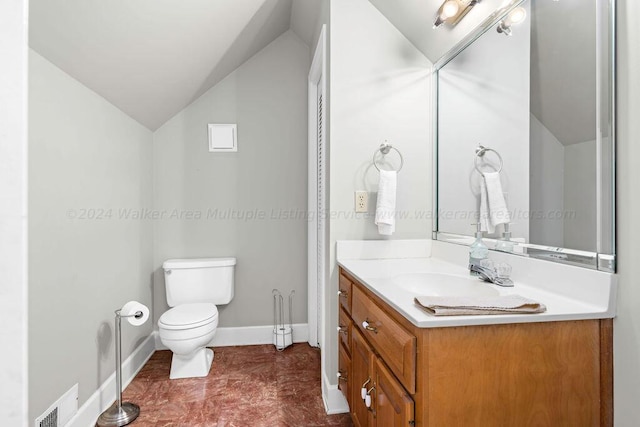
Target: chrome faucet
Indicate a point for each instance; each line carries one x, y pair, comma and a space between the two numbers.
491, 275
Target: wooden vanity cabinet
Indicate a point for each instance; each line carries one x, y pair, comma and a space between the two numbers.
517, 374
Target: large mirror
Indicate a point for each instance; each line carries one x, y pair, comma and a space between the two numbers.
525, 132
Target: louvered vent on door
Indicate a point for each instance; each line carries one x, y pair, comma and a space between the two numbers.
50, 419
321, 196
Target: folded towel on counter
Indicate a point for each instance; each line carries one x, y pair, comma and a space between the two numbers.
462, 306
386, 204
493, 208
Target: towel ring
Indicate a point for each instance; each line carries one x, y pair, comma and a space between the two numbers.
480, 152
385, 149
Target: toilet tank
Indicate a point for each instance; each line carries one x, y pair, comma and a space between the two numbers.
199, 280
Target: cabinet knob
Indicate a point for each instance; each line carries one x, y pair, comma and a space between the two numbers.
341, 376
342, 329
368, 327
343, 294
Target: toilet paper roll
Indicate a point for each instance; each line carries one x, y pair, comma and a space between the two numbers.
131, 309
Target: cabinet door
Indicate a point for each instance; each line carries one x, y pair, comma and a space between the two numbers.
393, 406
362, 359
344, 377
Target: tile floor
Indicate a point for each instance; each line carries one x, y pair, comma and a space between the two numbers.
252, 386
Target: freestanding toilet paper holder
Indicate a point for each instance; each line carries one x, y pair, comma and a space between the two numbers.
120, 414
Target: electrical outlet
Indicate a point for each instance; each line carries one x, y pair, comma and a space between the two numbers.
362, 201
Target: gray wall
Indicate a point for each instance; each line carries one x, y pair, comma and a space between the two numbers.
546, 190
83, 154
626, 333
13, 213
580, 196
563, 182
267, 98
379, 90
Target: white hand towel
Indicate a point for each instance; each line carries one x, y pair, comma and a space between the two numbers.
462, 306
498, 212
485, 221
386, 204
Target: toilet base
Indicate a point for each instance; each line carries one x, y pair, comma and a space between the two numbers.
194, 365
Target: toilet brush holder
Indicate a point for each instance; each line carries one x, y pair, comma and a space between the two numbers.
282, 334
121, 413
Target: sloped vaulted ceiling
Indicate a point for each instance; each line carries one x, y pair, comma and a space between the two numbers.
151, 58
563, 78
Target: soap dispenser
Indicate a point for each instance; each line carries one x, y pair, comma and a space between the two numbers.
477, 251
505, 244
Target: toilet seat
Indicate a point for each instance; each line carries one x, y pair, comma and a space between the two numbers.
189, 316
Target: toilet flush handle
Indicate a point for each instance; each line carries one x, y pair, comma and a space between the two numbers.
167, 272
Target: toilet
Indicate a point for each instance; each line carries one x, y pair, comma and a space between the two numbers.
194, 287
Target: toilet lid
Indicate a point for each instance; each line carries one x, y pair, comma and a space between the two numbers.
187, 316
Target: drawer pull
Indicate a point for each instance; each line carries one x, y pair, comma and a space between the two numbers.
343, 294
367, 400
341, 376
368, 327
363, 390
342, 329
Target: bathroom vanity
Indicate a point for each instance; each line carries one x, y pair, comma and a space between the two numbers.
553, 368
498, 109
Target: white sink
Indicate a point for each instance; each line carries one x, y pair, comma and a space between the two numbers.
439, 284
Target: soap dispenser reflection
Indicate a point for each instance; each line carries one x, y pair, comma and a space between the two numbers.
477, 251
505, 244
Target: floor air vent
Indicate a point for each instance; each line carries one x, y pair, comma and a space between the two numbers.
59, 414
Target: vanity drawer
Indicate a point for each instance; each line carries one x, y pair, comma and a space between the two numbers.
344, 293
344, 330
389, 339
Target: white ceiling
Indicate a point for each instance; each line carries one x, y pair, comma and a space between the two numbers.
151, 58
414, 19
562, 55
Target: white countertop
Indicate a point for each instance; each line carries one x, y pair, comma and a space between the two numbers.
569, 293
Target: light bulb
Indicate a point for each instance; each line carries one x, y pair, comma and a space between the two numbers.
516, 16
449, 9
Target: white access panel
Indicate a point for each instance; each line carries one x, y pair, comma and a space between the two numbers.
223, 138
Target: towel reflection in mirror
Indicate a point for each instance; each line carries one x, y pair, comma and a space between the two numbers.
493, 207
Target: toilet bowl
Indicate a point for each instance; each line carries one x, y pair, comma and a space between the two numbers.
186, 330
194, 287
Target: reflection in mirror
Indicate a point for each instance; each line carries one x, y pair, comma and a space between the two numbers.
532, 92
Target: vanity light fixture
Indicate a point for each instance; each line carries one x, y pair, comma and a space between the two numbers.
452, 11
514, 17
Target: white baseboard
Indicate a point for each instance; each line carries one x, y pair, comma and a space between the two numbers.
334, 401
106, 394
248, 335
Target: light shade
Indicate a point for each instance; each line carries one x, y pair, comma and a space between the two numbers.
516, 16
452, 11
